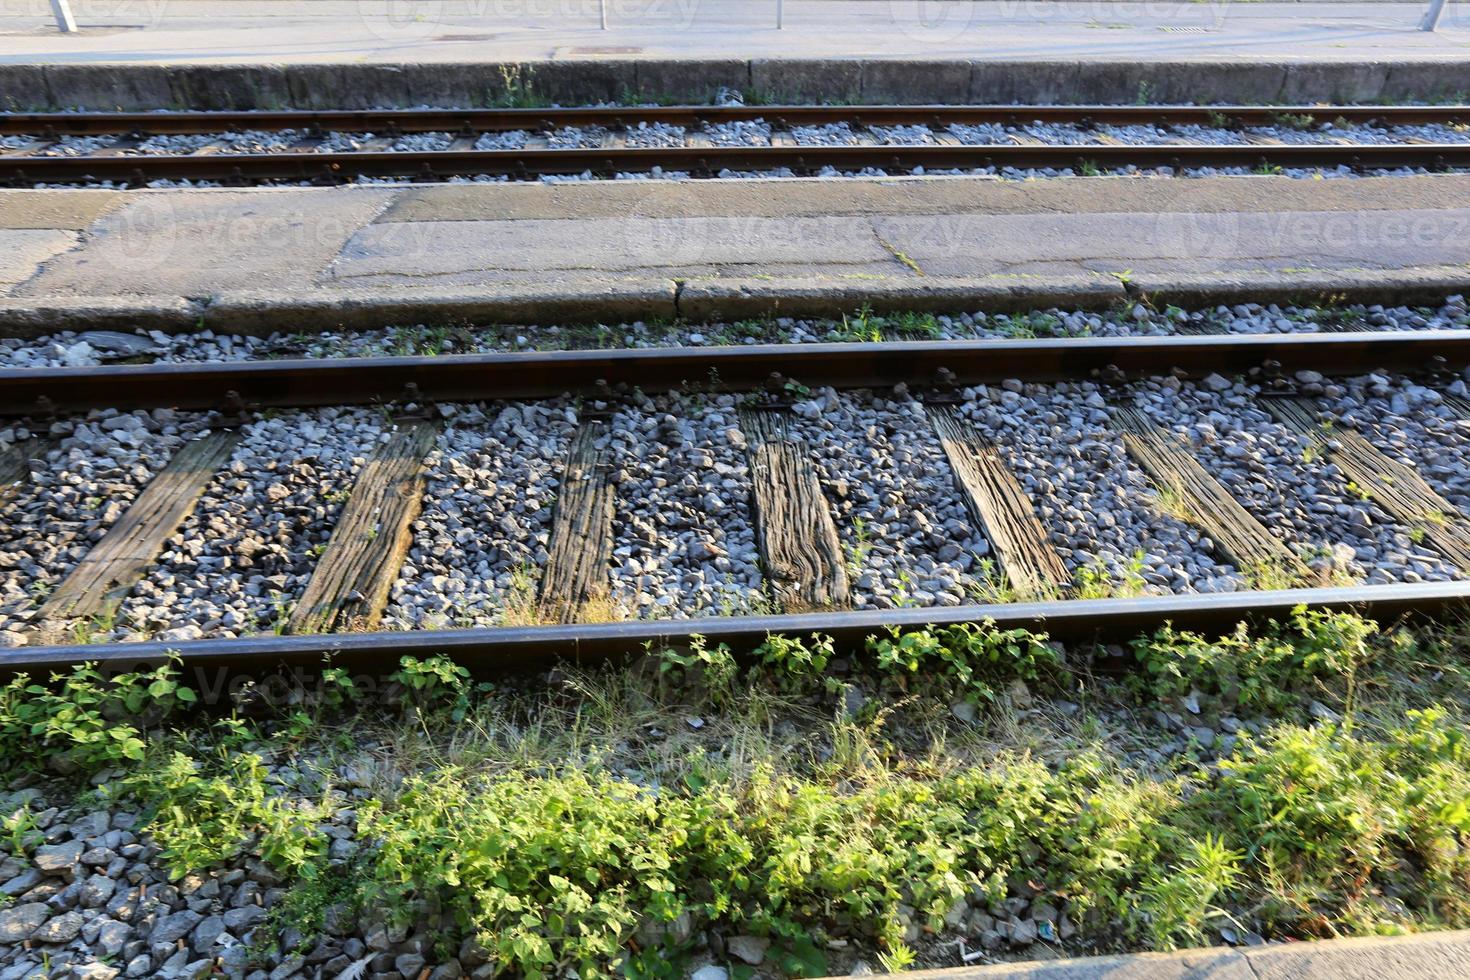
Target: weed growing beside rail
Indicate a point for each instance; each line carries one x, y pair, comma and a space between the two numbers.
960, 783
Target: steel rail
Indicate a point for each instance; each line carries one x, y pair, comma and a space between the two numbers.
242, 385
389, 121
438, 164
488, 650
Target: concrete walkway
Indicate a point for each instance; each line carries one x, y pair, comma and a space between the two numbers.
532, 251
377, 31
1433, 956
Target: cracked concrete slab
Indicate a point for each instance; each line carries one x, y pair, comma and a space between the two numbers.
198, 243
23, 250
480, 252
968, 245
786, 197
69, 209
326, 245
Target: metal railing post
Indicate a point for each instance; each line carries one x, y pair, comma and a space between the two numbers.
780, 14
1431, 16
602, 13
65, 23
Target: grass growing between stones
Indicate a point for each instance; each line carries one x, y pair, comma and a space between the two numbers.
789, 809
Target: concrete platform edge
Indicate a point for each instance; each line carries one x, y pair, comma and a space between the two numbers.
262, 313
122, 86
1407, 287
728, 299
26, 318
1418, 957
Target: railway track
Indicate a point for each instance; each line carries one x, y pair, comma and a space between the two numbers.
862, 486
328, 147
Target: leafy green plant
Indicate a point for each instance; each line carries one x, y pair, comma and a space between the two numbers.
860, 328
548, 874
76, 722
898, 959
972, 661
1336, 822
20, 833
337, 688
1299, 121
917, 325
305, 905
1181, 901
857, 552
436, 682
517, 89
1027, 326
795, 662
207, 808
1096, 581
555, 864
1268, 669
712, 667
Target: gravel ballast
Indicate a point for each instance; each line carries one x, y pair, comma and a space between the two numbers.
77, 490
1299, 496
247, 551
1088, 493
684, 537
1290, 130
1413, 423
902, 522
480, 543
89, 348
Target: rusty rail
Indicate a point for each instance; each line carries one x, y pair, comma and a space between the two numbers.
305, 165
241, 385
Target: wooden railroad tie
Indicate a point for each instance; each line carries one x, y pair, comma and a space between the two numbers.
1000, 507
349, 589
799, 547
102, 580
578, 571
1395, 488
1173, 468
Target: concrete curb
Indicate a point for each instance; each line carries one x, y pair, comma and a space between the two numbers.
1431, 956
1407, 287
352, 86
27, 318
262, 313
726, 299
